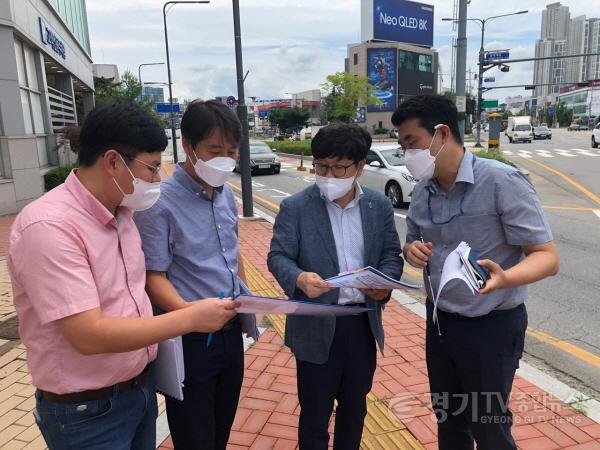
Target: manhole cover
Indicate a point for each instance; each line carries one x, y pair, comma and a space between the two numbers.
9, 329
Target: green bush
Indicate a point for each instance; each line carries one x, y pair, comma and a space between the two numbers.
380, 131
496, 156
291, 147
57, 176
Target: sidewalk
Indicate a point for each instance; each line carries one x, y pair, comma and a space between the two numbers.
399, 415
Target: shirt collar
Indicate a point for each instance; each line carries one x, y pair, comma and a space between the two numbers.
184, 179
90, 203
358, 194
464, 175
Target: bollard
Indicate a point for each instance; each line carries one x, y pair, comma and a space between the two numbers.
301, 167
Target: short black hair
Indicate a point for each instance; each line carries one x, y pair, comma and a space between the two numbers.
431, 110
123, 126
341, 140
201, 118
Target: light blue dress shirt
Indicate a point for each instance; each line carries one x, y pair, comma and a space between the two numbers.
346, 224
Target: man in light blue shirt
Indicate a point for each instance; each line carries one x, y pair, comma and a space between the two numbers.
474, 347
190, 241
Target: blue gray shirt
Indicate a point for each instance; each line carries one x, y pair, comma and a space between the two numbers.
492, 207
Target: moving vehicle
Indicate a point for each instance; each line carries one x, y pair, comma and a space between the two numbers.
519, 129
542, 132
386, 172
262, 158
596, 136
574, 127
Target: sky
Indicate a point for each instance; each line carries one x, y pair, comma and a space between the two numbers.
290, 46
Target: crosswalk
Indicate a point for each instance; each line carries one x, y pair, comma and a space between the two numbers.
554, 153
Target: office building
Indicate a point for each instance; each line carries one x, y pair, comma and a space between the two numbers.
46, 62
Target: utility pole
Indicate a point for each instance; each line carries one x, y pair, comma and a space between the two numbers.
242, 111
461, 63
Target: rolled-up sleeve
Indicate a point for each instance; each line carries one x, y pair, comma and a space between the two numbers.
155, 231
521, 212
50, 262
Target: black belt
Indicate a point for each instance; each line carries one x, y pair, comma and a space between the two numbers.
231, 324
493, 313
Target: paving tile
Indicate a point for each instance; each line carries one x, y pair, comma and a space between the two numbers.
554, 433
255, 422
538, 443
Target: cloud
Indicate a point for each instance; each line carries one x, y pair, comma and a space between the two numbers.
288, 46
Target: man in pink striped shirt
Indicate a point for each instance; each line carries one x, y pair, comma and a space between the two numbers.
78, 276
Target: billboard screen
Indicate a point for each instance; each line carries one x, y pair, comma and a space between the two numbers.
403, 21
381, 71
412, 82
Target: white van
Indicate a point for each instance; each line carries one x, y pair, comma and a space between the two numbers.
519, 129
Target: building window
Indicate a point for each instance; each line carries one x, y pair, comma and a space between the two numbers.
31, 97
416, 62
356, 59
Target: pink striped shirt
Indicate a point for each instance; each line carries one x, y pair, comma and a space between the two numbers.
68, 254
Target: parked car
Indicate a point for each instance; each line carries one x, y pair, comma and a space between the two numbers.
394, 133
574, 127
262, 159
542, 132
596, 136
386, 172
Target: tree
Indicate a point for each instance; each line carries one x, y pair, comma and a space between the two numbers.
129, 89
344, 92
289, 119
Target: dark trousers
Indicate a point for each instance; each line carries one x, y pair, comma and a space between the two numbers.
213, 380
347, 377
471, 370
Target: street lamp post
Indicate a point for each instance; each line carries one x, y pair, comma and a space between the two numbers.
140, 73
482, 69
173, 129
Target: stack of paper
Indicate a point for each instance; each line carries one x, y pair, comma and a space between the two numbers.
169, 368
368, 278
272, 305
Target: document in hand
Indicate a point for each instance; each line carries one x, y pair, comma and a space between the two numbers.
251, 304
169, 368
458, 266
368, 278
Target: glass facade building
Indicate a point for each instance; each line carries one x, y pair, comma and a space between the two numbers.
74, 13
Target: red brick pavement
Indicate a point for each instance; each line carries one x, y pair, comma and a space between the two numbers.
5, 224
268, 414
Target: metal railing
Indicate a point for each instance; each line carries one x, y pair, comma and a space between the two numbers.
62, 110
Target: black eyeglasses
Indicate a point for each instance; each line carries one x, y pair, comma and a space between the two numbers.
337, 170
459, 214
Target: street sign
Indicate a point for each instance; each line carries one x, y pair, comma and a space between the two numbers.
166, 108
496, 55
231, 102
489, 79
461, 103
489, 104
550, 110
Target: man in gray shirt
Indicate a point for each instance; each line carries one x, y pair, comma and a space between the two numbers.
190, 243
474, 348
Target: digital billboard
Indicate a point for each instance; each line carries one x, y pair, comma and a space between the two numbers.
402, 21
412, 82
381, 70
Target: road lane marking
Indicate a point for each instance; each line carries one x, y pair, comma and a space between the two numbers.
573, 350
524, 154
544, 153
597, 212
565, 153
261, 199
569, 180
585, 152
283, 194
402, 216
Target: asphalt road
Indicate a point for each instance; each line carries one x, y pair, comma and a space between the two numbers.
564, 311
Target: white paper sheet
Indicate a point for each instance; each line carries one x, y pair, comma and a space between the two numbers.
270, 305
169, 368
368, 278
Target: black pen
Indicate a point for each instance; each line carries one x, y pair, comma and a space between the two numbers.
427, 271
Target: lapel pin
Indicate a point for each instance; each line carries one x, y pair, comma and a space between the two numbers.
370, 205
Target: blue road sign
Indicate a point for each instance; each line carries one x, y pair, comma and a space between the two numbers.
496, 55
550, 110
166, 108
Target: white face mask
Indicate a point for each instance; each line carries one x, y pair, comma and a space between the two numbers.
214, 171
420, 163
334, 188
144, 194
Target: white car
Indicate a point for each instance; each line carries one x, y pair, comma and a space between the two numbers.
386, 172
596, 136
